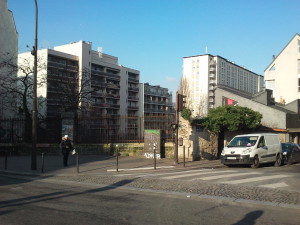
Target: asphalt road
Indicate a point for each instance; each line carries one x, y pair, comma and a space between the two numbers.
283, 178
49, 201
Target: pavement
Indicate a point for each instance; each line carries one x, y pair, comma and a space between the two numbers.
101, 170
95, 164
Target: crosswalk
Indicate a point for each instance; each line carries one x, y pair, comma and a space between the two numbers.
236, 177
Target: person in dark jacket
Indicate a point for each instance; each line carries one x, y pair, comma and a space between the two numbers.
66, 147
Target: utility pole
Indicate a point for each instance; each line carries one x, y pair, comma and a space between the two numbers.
34, 105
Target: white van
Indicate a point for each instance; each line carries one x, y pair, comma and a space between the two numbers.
253, 149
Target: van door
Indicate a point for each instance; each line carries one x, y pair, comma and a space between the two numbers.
262, 150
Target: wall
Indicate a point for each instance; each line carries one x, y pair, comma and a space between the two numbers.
286, 73
272, 117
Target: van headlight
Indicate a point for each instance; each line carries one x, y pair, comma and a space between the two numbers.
223, 152
284, 153
248, 150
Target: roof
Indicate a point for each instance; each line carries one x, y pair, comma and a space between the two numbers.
283, 50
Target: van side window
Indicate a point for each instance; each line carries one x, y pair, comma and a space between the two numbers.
261, 142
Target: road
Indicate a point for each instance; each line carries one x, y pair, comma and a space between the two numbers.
54, 201
285, 178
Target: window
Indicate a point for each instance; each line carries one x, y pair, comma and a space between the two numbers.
298, 84
299, 46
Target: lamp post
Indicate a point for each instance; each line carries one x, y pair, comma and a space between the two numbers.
34, 105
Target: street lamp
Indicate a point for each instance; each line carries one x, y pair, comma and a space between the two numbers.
34, 105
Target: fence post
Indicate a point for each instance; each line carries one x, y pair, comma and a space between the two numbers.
117, 158
5, 161
154, 153
77, 162
43, 162
184, 156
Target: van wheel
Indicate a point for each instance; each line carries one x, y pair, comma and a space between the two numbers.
255, 163
278, 161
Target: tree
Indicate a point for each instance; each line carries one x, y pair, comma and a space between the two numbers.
17, 90
230, 118
186, 114
72, 90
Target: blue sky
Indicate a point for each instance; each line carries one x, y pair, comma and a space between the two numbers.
153, 36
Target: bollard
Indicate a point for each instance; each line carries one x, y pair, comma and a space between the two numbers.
43, 161
117, 158
5, 161
77, 162
183, 156
154, 154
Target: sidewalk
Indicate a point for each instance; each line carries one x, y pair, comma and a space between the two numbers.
95, 164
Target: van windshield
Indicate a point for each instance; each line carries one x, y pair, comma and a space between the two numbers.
243, 141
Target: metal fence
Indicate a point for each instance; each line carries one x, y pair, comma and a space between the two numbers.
88, 130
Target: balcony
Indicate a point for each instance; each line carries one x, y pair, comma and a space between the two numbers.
212, 69
211, 100
133, 107
116, 96
133, 98
133, 80
212, 82
134, 89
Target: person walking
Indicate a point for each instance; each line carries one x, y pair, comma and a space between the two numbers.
66, 146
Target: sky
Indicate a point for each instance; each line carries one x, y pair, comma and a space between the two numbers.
153, 36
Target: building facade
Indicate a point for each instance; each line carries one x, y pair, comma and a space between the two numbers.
8, 52
277, 118
75, 78
156, 107
203, 73
282, 76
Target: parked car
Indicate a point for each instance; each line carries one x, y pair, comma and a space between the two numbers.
290, 153
253, 149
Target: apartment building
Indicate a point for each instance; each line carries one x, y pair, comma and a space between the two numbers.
155, 100
89, 82
282, 75
203, 73
156, 106
8, 51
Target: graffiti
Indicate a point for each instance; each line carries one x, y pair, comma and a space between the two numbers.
151, 155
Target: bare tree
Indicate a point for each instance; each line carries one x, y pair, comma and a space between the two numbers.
72, 90
197, 104
16, 87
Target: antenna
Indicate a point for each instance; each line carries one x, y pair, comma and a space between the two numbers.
206, 50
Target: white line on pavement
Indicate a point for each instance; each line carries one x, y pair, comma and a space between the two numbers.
142, 168
197, 173
161, 174
227, 175
247, 180
275, 185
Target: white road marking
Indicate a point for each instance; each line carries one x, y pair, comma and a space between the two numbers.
142, 168
161, 174
197, 173
226, 175
275, 185
254, 179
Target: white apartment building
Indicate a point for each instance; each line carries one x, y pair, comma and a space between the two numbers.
8, 51
282, 76
203, 73
116, 87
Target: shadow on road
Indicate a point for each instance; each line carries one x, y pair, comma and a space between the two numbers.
58, 195
250, 218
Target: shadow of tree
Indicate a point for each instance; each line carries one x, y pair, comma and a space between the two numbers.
58, 195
